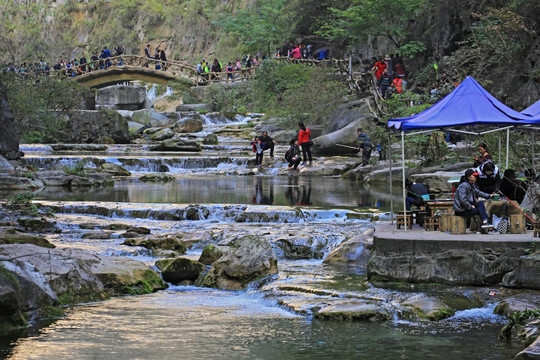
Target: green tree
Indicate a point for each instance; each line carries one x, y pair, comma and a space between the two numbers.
268, 22
40, 105
364, 18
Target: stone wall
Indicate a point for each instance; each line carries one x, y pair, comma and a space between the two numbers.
435, 257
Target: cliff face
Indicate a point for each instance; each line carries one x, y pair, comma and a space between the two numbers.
9, 134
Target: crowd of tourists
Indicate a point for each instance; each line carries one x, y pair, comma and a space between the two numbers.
70, 68
484, 180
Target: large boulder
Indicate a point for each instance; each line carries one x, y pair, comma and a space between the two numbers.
181, 269
526, 274
146, 116
352, 252
188, 125
342, 141
121, 97
9, 134
92, 126
114, 169
348, 113
50, 277
249, 258
211, 253
161, 134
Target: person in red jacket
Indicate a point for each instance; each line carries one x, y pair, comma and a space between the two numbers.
296, 53
304, 140
379, 69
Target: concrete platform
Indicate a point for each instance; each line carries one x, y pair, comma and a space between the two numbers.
416, 255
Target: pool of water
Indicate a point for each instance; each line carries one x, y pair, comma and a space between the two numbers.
262, 190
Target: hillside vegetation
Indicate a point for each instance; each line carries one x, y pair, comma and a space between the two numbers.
495, 41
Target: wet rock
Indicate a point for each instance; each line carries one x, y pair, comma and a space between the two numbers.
130, 235
512, 305
6, 167
188, 125
11, 307
354, 251
177, 270
157, 177
526, 273
210, 139
177, 145
15, 236
86, 179
37, 225
248, 259
120, 97
196, 212
20, 183
163, 242
79, 147
194, 107
101, 235
427, 307
119, 226
146, 116
87, 226
134, 127
162, 134
66, 276
352, 310
162, 168
9, 133
211, 253
90, 126
114, 169
531, 352
300, 248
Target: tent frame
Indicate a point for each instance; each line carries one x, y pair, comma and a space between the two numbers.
454, 130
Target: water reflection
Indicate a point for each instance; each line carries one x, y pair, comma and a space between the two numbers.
265, 190
260, 197
298, 194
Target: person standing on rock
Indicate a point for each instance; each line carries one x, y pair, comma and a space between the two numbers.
257, 145
268, 142
304, 140
364, 145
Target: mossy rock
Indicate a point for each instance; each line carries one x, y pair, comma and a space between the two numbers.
181, 269
210, 254
37, 225
157, 177
14, 236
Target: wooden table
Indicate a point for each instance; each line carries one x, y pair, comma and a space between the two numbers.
434, 208
438, 206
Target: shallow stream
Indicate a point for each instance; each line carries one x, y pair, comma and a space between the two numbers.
186, 322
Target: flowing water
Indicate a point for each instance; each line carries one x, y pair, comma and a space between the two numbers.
186, 322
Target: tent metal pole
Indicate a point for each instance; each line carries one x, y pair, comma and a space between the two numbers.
532, 143
507, 146
391, 185
403, 180
500, 141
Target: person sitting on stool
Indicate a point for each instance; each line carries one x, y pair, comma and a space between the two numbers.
465, 199
414, 194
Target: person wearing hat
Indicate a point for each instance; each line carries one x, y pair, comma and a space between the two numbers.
465, 199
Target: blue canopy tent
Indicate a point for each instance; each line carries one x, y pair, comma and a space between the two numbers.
469, 109
533, 110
